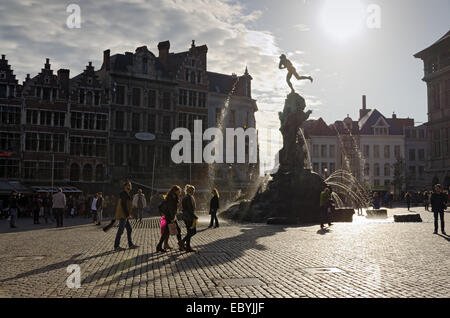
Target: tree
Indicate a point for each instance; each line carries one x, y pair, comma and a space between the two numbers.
400, 176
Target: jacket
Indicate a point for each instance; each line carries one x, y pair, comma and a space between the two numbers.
136, 200
59, 201
99, 204
123, 209
169, 207
214, 204
189, 206
438, 202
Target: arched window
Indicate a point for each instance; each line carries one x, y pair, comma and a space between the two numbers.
387, 170
87, 173
100, 173
74, 172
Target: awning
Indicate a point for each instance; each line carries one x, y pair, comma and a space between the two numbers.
6, 187
65, 189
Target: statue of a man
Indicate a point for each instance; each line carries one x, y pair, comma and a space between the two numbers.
285, 63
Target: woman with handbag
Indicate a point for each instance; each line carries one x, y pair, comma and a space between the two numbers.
189, 217
213, 207
169, 208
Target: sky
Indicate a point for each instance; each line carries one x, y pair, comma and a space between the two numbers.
327, 39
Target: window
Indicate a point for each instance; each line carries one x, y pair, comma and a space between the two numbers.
76, 120
323, 151
10, 115
87, 172
97, 98
120, 120
182, 97
412, 172
316, 167
81, 96
151, 123
45, 142
183, 120
46, 118
75, 146
59, 119
145, 65
436, 143
58, 142
120, 95
366, 169
376, 168
199, 77
100, 173
9, 168
2, 88
31, 142
46, 94
397, 152
101, 121
118, 154
136, 122
32, 117
387, 170
193, 77
9, 142
315, 151
191, 98
166, 125
421, 172
166, 101
100, 147
387, 182
332, 151
44, 171
366, 150
58, 170
134, 154
376, 183
194, 99
89, 98
88, 147
376, 151
332, 167
89, 121
387, 152
30, 170
151, 102
412, 154
136, 96
324, 168
421, 154
74, 172
187, 74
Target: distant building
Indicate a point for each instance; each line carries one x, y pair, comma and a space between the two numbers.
436, 59
369, 148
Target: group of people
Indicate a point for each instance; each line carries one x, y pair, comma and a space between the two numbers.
168, 208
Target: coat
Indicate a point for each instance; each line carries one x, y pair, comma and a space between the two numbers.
438, 202
214, 204
189, 207
59, 201
169, 207
123, 209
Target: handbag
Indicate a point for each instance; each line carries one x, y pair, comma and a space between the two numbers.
173, 229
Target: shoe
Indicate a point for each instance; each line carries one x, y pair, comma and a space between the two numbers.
119, 249
13, 226
168, 248
133, 247
216, 226
159, 249
443, 233
435, 232
190, 250
330, 224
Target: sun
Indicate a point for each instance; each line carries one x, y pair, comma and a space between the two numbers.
342, 19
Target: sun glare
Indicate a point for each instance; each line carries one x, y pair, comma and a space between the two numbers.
342, 19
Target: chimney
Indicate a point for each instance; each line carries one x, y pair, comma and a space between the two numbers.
3, 57
394, 116
47, 63
106, 60
364, 111
164, 48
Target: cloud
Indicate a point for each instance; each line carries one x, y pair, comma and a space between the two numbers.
302, 27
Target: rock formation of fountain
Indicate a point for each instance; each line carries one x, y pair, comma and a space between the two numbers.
294, 192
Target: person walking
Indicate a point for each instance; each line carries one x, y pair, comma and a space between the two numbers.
123, 215
408, 200
13, 210
94, 208
189, 217
47, 205
325, 198
35, 209
438, 206
213, 208
99, 208
426, 201
59, 206
140, 203
169, 208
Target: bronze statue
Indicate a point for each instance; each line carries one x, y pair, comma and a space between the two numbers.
285, 63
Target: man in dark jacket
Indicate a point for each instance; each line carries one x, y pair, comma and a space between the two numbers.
438, 205
123, 215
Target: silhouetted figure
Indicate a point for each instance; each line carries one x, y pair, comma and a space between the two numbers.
285, 63
438, 206
213, 208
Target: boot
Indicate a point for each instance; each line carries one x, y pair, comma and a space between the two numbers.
181, 245
189, 249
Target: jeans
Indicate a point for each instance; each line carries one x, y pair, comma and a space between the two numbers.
214, 218
436, 223
190, 233
59, 214
36, 216
13, 215
140, 213
94, 215
99, 216
325, 215
123, 223
47, 214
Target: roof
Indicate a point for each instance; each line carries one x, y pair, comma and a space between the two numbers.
396, 125
446, 37
318, 128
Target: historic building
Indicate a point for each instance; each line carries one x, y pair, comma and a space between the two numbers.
82, 131
436, 59
370, 148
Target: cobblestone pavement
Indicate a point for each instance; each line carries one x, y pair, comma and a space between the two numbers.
360, 259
